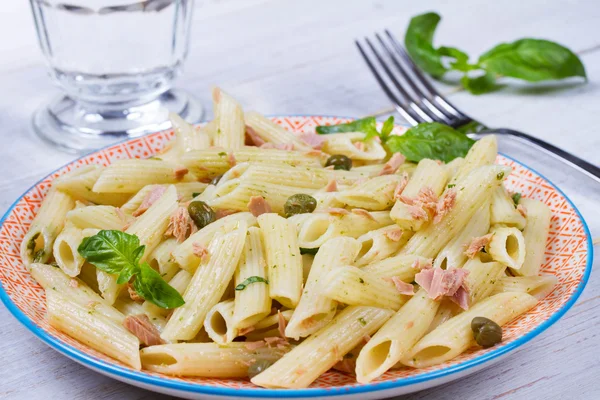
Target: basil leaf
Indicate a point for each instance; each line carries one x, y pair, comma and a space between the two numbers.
313, 251
112, 251
430, 140
252, 279
127, 273
152, 287
481, 84
516, 197
460, 60
367, 125
387, 128
418, 41
533, 60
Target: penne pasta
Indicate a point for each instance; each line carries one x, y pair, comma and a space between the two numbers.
507, 246
206, 359
284, 263
207, 285
252, 299
315, 309
229, 117
45, 227
535, 236
537, 286
454, 336
353, 286
322, 350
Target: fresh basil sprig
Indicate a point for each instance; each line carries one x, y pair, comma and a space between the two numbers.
366, 125
532, 60
430, 140
117, 252
249, 280
427, 140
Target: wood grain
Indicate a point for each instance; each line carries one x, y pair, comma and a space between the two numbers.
298, 57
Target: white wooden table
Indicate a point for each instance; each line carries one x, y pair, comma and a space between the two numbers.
292, 57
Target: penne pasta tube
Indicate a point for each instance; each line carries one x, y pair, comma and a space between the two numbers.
396, 337
129, 176
151, 225
482, 279
45, 227
79, 183
252, 300
428, 175
162, 260
315, 229
108, 286
353, 286
472, 193
315, 309
184, 252
537, 286
483, 152
210, 360
379, 244
503, 210
98, 217
207, 285
507, 246
323, 349
455, 336
453, 254
53, 279
404, 266
284, 263
374, 194
453, 166
65, 250
446, 310
219, 323
535, 235
229, 115
213, 162
271, 132
93, 329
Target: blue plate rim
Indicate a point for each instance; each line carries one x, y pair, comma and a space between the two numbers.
165, 383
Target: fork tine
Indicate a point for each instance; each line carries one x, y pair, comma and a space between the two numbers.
423, 113
439, 112
405, 112
437, 97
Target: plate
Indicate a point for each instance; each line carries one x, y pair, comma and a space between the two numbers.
568, 256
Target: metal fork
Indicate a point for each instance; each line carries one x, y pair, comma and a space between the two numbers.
418, 101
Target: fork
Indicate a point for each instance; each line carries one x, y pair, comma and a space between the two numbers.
423, 103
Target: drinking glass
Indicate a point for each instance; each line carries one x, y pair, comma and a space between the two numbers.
116, 61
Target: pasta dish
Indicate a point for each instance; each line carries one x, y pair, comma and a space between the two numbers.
244, 250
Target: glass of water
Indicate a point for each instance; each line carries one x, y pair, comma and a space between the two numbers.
116, 61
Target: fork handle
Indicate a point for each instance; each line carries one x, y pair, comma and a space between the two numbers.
587, 168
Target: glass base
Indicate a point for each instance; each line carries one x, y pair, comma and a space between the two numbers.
79, 128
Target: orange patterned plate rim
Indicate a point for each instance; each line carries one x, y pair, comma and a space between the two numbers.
569, 255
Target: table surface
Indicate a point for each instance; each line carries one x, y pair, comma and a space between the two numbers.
298, 57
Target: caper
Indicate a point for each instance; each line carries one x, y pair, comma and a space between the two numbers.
487, 333
339, 161
216, 179
201, 213
258, 367
299, 204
